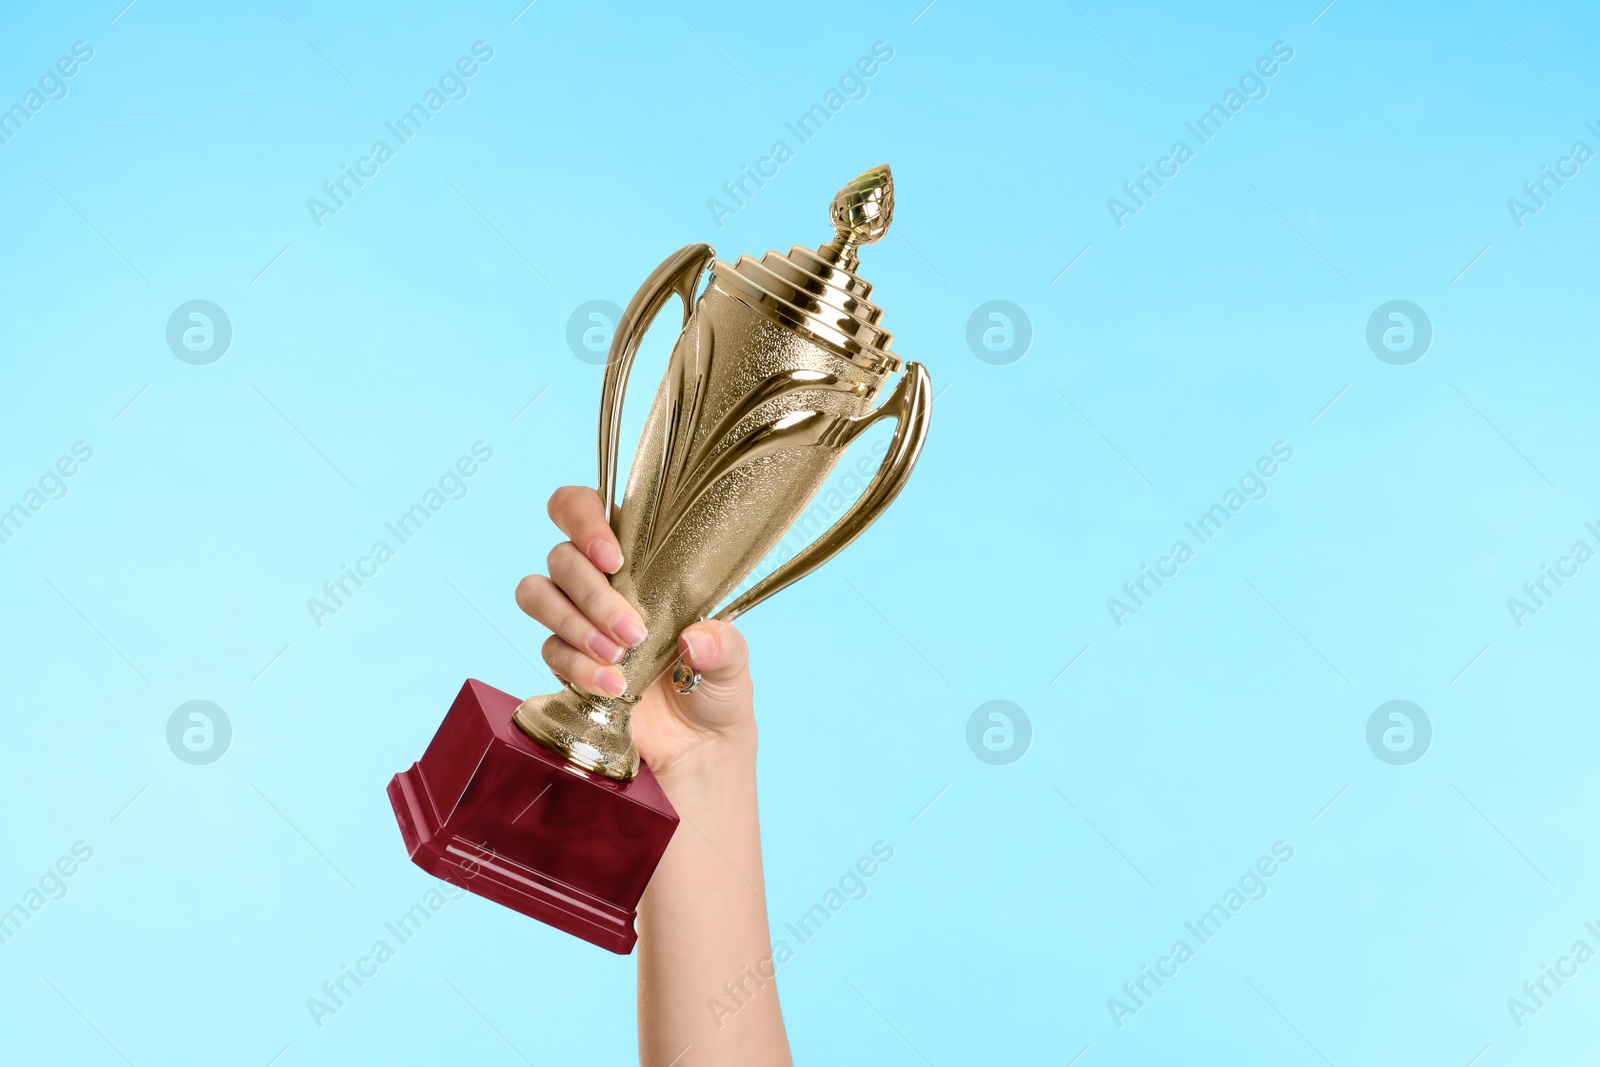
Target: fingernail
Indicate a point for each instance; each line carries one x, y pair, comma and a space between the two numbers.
686, 649
612, 683
604, 555
629, 630
604, 648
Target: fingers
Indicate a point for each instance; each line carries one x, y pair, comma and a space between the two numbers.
717, 653
582, 671
584, 585
579, 513
593, 625
541, 598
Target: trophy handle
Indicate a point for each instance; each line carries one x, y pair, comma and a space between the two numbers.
910, 404
679, 274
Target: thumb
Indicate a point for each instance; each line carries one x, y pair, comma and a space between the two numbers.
717, 652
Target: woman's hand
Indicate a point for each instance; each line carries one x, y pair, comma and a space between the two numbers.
592, 625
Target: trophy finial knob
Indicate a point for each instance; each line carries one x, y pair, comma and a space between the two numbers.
861, 212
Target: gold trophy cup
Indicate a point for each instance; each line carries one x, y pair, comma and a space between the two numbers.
772, 377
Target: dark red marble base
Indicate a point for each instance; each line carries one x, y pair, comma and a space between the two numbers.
490, 810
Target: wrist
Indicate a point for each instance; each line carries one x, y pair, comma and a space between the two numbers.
718, 762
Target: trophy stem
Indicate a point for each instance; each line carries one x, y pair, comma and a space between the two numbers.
587, 731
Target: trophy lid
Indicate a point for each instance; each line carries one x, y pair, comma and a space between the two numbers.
817, 293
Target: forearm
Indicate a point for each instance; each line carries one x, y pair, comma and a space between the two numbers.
707, 995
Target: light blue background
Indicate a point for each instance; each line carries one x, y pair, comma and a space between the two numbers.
1223, 317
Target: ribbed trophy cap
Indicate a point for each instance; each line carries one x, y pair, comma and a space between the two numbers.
818, 293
